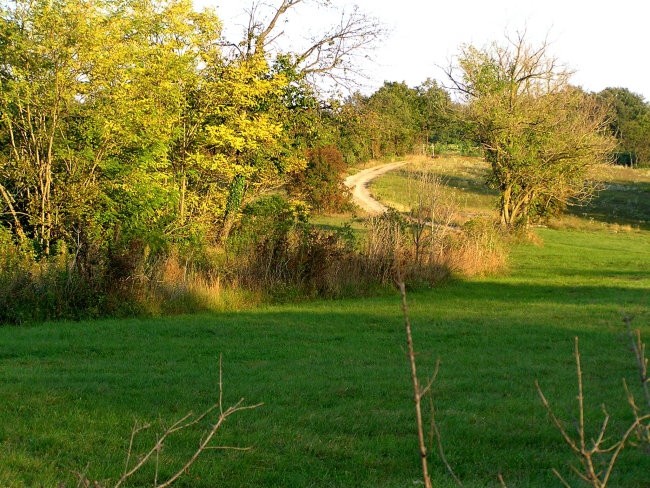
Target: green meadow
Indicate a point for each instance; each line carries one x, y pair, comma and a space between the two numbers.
334, 380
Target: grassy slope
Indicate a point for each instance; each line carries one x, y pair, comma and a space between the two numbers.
335, 382
463, 179
334, 379
623, 200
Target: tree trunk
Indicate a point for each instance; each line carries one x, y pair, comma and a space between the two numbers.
506, 217
183, 191
9, 201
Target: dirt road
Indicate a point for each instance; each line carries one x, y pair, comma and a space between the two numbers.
359, 182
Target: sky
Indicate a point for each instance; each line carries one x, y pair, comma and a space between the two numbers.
606, 46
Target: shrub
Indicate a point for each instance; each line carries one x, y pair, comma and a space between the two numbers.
321, 183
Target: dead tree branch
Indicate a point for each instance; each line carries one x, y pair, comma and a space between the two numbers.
332, 54
185, 422
591, 455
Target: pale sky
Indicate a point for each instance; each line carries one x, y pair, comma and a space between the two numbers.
606, 46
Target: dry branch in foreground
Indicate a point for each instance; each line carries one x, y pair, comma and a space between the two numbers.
596, 460
153, 454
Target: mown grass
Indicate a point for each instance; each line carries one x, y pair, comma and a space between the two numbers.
334, 379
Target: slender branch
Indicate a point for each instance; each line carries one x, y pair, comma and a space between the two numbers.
416, 387
562, 480
441, 451
593, 456
639, 353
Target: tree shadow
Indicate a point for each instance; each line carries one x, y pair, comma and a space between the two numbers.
625, 203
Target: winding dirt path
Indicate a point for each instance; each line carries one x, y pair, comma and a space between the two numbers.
359, 182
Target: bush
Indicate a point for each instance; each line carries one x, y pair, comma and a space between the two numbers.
321, 183
44, 289
273, 254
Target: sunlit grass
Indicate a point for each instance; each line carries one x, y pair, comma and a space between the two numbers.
333, 376
334, 379
463, 179
622, 202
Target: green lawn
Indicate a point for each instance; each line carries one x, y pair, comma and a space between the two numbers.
335, 383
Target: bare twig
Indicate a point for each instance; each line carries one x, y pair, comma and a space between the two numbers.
185, 422
441, 452
594, 456
639, 353
643, 429
502, 482
417, 392
561, 478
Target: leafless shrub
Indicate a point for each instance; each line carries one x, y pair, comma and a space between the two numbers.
596, 458
431, 214
638, 348
134, 462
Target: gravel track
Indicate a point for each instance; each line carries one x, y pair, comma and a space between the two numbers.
359, 182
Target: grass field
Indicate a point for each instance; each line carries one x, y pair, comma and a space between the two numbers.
463, 180
335, 382
622, 200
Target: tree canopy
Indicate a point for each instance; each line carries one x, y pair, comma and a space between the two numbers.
630, 124
539, 133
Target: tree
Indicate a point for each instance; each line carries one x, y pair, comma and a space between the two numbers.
330, 54
630, 124
540, 134
93, 96
261, 110
400, 118
321, 183
43, 49
442, 121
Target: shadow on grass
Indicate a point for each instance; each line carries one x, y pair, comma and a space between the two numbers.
477, 186
619, 203
334, 380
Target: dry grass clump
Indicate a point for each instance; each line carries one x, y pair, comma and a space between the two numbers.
428, 253
478, 249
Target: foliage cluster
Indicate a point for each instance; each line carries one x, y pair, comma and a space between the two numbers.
129, 134
396, 120
320, 184
630, 124
540, 134
133, 136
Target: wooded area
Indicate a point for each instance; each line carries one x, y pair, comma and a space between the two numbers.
132, 131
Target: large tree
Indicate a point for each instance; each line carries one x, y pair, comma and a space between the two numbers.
270, 105
93, 97
540, 134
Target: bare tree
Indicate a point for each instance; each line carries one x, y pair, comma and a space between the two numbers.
332, 54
